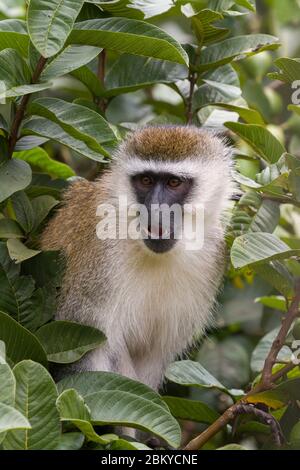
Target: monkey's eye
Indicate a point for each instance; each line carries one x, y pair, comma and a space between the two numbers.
174, 182
146, 180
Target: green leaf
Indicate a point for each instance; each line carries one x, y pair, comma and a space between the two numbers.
233, 48
13, 35
290, 70
71, 407
151, 8
250, 116
42, 206
86, 383
90, 80
14, 176
130, 73
10, 229
70, 59
263, 348
257, 248
19, 252
66, 342
205, 31
131, 36
78, 121
39, 159
46, 268
50, 23
16, 76
127, 408
36, 396
192, 374
70, 441
11, 419
278, 276
20, 343
260, 139
122, 444
275, 302
232, 447
7, 383
23, 210
45, 128
191, 410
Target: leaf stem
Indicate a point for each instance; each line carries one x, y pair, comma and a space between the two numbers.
19, 116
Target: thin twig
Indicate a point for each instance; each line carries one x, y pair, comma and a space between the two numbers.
189, 104
102, 102
279, 341
19, 116
267, 382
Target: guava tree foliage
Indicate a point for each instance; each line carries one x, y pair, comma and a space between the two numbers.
75, 76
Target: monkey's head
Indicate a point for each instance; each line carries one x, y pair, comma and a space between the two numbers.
174, 166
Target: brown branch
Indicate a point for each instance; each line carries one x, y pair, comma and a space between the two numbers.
278, 343
189, 105
267, 381
102, 102
19, 116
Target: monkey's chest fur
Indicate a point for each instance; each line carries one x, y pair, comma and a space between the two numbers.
161, 302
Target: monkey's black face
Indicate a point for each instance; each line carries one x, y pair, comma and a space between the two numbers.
161, 194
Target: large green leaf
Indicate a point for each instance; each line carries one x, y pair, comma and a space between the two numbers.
23, 211
19, 252
71, 407
90, 382
112, 398
7, 383
12, 419
13, 34
45, 128
50, 23
10, 229
66, 342
78, 121
129, 409
191, 410
129, 73
71, 58
131, 36
230, 49
36, 396
190, 373
257, 248
20, 343
15, 175
260, 139
39, 159
290, 70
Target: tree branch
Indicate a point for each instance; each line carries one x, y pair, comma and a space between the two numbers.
19, 116
102, 102
189, 105
267, 381
278, 343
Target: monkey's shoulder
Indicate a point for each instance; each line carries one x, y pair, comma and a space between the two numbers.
75, 220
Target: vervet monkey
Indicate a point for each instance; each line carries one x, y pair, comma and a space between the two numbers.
151, 297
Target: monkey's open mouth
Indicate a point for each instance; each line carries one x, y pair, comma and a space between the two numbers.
154, 232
